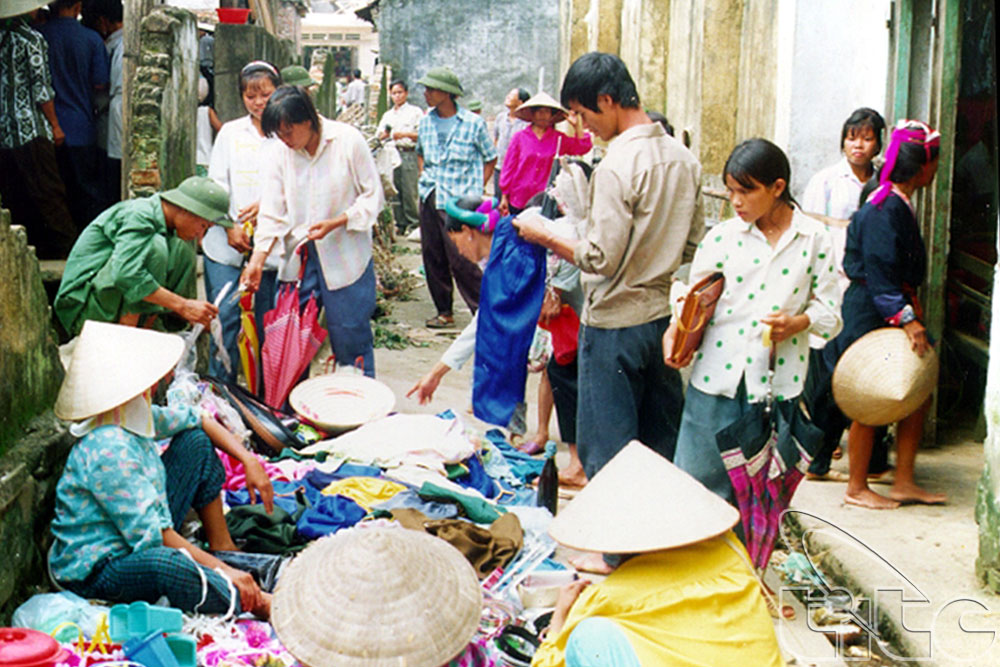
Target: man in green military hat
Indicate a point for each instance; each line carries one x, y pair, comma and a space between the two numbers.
297, 75
456, 158
138, 258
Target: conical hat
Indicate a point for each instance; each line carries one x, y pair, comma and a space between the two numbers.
112, 364
641, 502
880, 379
368, 597
540, 100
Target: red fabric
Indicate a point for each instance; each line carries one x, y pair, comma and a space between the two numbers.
564, 327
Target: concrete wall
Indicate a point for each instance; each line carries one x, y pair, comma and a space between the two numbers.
823, 96
164, 101
988, 496
30, 371
235, 46
492, 45
33, 445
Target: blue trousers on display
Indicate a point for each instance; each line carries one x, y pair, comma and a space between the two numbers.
216, 277
625, 393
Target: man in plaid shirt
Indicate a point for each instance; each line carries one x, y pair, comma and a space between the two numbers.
456, 158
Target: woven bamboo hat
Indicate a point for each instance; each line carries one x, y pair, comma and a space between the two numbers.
541, 100
377, 596
603, 518
880, 379
112, 364
17, 7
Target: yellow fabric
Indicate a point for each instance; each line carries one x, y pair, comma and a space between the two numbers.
694, 605
365, 491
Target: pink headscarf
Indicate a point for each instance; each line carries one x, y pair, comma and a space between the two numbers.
905, 132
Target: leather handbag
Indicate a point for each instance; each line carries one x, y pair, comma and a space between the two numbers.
699, 306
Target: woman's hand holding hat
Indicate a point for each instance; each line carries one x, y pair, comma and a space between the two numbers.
917, 334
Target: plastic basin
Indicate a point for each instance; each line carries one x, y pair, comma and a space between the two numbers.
232, 14
138, 619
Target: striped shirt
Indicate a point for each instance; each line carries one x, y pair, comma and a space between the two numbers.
454, 167
25, 83
298, 189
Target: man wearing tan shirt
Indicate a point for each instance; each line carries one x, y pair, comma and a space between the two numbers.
645, 207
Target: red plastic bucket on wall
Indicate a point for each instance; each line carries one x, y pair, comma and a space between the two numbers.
232, 14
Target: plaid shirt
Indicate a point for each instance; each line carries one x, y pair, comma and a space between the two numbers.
25, 83
454, 168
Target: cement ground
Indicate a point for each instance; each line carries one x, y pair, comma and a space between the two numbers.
934, 548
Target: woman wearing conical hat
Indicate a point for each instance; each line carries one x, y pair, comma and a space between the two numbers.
119, 501
685, 593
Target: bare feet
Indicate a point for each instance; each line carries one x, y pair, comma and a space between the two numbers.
911, 493
591, 562
573, 476
887, 476
870, 500
838, 453
828, 476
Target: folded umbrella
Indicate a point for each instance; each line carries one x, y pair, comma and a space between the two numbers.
292, 336
248, 344
766, 453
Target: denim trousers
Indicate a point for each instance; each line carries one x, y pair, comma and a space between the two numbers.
348, 313
216, 277
626, 393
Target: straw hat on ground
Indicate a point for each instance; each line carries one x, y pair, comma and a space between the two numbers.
605, 518
377, 596
112, 364
541, 100
881, 380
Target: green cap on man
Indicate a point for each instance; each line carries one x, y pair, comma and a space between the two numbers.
203, 197
297, 75
442, 78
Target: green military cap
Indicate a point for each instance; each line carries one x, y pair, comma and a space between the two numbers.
297, 75
474, 105
442, 78
203, 197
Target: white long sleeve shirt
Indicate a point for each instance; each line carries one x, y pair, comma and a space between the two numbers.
298, 189
236, 166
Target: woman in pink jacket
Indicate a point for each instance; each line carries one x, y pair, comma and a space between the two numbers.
529, 157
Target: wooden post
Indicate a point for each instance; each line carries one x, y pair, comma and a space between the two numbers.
134, 12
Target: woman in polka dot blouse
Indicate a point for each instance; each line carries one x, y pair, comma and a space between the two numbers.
780, 286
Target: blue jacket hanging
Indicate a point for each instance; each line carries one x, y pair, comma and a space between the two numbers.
510, 301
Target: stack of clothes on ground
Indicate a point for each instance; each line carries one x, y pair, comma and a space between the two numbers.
430, 473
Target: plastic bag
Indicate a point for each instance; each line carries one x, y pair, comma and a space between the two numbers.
45, 611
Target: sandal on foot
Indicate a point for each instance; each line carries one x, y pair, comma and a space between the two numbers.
440, 322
